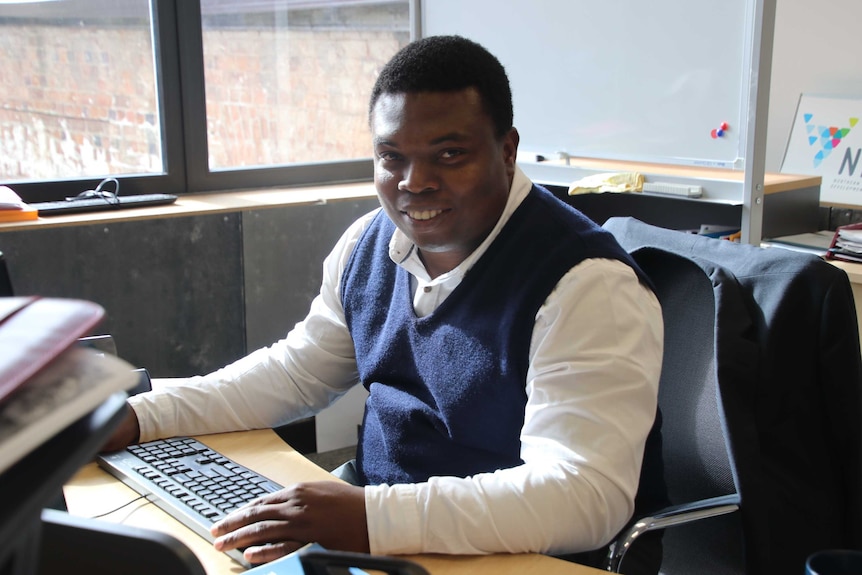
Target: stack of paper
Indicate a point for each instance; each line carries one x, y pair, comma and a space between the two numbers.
72, 386
13, 208
847, 244
850, 240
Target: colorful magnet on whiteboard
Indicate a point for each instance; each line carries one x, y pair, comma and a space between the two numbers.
719, 132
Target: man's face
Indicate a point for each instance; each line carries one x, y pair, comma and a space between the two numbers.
442, 176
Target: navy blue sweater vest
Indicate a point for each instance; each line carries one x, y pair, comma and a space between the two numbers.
447, 391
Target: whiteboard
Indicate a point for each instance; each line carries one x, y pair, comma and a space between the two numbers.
618, 79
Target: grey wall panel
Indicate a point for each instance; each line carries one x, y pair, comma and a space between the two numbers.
172, 288
283, 253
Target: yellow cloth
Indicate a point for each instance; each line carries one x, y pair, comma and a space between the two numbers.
613, 182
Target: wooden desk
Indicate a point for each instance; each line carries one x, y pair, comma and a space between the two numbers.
773, 183
93, 491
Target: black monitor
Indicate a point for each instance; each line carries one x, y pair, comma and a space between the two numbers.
102, 548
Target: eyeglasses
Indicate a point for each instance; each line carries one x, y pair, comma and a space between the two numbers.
110, 197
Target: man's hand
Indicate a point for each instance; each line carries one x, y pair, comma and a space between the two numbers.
127, 433
326, 512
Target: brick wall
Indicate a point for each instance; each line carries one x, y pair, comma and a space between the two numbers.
81, 101
304, 101
76, 101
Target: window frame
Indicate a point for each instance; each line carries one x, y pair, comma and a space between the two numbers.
180, 92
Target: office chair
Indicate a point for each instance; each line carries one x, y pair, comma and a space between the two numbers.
790, 388
5, 281
698, 471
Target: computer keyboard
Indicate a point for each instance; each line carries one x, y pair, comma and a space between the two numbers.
97, 204
190, 481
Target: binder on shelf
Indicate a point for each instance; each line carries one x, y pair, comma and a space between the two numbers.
46, 381
35, 330
846, 244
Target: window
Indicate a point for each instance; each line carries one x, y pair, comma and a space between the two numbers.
79, 90
177, 95
291, 85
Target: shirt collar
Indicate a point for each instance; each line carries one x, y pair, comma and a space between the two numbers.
403, 252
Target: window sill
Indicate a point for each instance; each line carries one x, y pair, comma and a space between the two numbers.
208, 203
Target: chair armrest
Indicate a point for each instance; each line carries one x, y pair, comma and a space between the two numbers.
668, 517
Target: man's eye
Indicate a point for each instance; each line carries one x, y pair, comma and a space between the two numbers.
388, 156
449, 154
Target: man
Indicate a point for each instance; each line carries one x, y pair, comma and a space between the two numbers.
510, 349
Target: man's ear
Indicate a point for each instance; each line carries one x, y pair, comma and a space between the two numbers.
510, 146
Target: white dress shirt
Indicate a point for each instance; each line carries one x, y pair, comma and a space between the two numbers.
592, 385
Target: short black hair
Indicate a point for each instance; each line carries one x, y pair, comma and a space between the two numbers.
449, 64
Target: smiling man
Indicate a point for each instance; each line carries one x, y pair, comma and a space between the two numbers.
510, 348
442, 172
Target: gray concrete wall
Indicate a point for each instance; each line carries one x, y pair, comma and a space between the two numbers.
172, 289
185, 296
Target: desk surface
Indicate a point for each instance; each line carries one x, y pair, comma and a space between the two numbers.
772, 182
253, 199
93, 492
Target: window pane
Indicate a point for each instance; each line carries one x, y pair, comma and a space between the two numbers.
287, 81
79, 90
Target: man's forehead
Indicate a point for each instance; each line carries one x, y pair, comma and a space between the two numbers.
422, 96
433, 117
417, 102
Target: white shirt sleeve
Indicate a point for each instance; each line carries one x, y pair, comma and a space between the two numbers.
592, 391
294, 378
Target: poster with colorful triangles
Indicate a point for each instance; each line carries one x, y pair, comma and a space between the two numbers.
826, 140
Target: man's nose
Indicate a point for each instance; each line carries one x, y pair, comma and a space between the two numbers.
419, 177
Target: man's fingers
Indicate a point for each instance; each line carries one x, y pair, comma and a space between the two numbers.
270, 552
327, 512
254, 534
260, 509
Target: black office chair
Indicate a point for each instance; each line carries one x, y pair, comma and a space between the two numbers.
789, 377
698, 470
5, 281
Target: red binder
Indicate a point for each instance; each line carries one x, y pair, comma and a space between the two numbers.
35, 330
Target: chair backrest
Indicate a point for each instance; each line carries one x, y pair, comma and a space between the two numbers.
695, 454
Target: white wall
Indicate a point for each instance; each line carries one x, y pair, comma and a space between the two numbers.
817, 50
336, 426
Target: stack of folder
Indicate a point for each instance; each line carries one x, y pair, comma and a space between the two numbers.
846, 244
47, 381
13, 208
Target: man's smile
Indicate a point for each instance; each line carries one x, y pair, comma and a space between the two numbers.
423, 215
